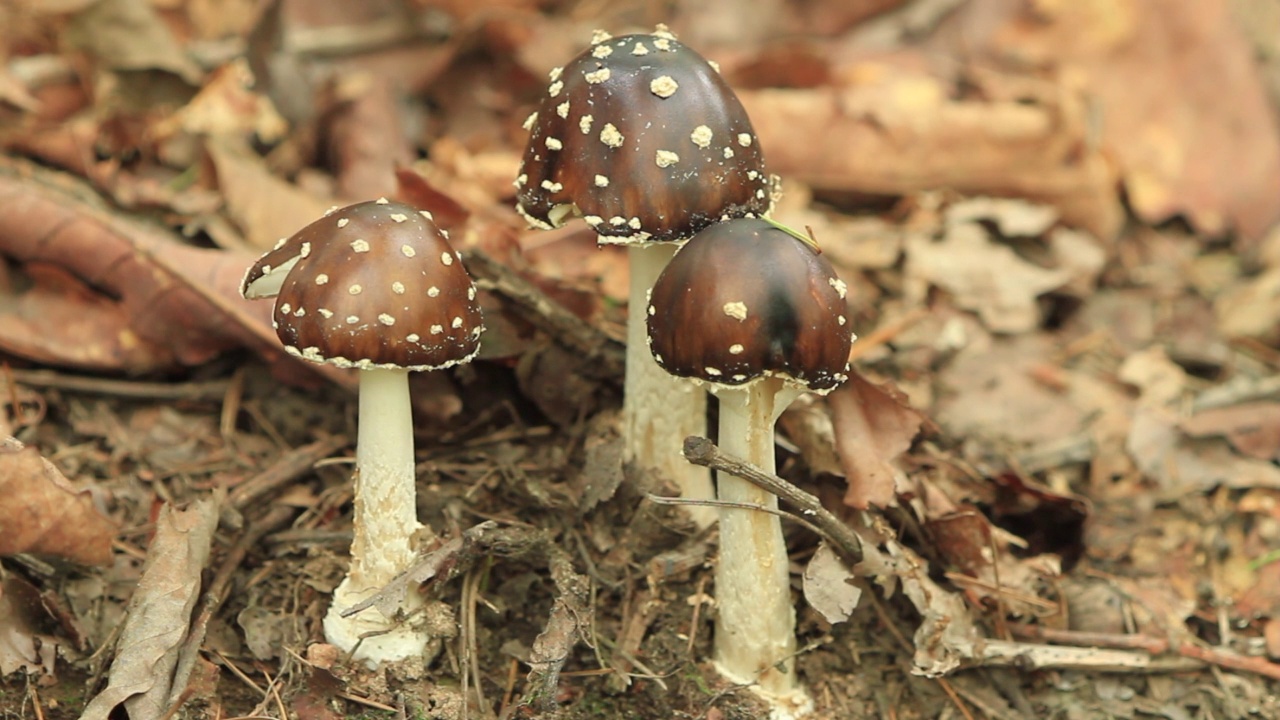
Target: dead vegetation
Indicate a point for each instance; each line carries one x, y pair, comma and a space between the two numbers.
1050, 488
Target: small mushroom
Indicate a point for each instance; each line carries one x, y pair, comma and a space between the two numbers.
374, 286
759, 317
641, 136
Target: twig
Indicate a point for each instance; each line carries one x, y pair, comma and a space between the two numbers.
289, 467
1230, 660
513, 673
701, 451
205, 390
604, 357
679, 501
467, 641
1121, 641
1026, 656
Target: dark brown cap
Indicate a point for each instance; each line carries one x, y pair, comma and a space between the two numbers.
641, 136
375, 284
744, 300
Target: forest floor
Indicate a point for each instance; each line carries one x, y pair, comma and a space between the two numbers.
1057, 453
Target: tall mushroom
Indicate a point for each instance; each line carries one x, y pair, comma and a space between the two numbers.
374, 286
759, 317
642, 137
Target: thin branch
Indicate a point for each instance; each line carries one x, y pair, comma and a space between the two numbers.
701, 451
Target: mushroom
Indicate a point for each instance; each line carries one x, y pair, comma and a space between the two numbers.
642, 137
377, 287
757, 316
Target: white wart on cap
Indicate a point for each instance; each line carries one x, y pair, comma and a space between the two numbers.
375, 284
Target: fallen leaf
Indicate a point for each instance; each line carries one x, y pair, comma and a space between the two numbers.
365, 137
160, 303
141, 676
983, 276
21, 647
827, 586
1251, 307
44, 514
1252, 428
874, 424
1143, 63
989, 392
227, 106
1013, 217
947, 636
129, 35
892, 130
265, 207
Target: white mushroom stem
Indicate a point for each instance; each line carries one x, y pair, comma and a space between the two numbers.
755, 639
659, 411
386, 521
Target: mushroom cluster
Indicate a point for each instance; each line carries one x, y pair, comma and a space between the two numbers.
643, 138
377, 287
758, 317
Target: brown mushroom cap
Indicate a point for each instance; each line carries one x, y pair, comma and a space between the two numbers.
374, 284
744, 300
645, 138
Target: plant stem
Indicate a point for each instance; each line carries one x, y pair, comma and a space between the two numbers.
659, 411
755, 625
385, 520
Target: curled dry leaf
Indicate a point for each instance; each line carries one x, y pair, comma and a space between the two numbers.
141, 676
135, 298
874, 424
947, 637
227, 106
828, 586
43, 513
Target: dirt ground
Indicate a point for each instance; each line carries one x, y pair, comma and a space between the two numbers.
1055, 458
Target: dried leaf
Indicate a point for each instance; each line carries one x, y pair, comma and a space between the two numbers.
1012, 217
159, 615
1250, 308
129, 35
20, 616
366, 139
227, 106
43, 513
990, 392
892, 130
161, 303
983, 276
828, 587
874, 424
1143, 63
947, 636
1252, 428
265, 207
